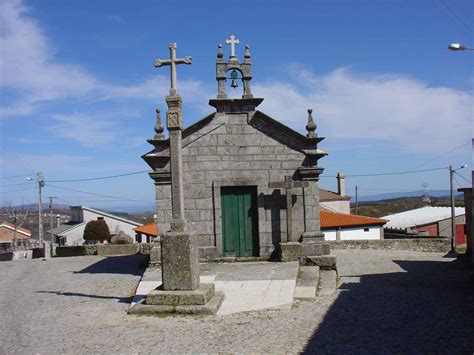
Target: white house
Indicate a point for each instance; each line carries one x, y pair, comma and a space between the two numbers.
342, 226
71, 233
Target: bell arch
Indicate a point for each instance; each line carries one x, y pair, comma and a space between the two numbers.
222, 68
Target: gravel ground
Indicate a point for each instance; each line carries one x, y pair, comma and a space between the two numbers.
388, 302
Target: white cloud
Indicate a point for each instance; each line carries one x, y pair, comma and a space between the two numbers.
28, 65
92, 129
31, 73
393, 108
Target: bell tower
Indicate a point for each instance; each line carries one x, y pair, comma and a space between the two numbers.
237, 71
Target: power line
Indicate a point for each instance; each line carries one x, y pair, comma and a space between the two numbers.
101, 177
396, 173
376, 189
14, 177
100, 195
28, 188
442, 154
462, 177
17, 184
457, 16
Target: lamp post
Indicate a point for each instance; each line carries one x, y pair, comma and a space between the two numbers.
453, 214
459, 47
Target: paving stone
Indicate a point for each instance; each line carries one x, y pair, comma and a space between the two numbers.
327, 282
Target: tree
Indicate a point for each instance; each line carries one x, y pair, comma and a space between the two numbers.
97, 231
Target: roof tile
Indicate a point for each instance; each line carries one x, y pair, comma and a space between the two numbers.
335, 219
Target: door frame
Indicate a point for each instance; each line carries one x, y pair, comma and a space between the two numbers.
216, 199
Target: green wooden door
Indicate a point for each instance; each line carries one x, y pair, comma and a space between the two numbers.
239, 221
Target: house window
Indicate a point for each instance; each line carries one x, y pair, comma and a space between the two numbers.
366, 229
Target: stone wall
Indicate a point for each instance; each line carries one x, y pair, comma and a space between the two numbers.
441, 245
104, 249
234, 153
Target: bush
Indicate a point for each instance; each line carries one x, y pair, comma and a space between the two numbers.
97, 231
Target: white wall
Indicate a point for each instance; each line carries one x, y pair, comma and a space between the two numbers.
337, 206
115, 225
76, 235
354, 233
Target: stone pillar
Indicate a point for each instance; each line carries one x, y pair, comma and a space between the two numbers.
179, 250
247, 93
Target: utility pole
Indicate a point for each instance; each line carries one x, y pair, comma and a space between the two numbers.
453, 214
357, 201
51, 218
40, 208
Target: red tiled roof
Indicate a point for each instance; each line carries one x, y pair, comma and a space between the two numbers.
148, 229
335, 219
7, 232
18, 229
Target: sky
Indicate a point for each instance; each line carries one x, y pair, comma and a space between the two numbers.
78, 89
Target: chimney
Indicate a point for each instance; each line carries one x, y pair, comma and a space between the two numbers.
58, 220
341, 184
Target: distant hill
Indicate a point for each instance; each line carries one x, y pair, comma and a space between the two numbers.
395, 195
33, 208
385, 207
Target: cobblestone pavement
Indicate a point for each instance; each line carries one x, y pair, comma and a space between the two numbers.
388, 302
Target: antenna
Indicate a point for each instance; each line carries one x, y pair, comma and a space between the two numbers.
425, 196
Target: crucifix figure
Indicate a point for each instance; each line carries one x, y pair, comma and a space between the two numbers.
232, 41
172, 62
289, 185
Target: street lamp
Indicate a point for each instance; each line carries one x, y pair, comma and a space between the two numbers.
459, 47
453, 214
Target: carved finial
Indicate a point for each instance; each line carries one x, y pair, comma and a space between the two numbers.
159, 126
311, 126
219, 51
247, 51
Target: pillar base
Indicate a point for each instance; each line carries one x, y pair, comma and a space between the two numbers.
290, 251
203, 300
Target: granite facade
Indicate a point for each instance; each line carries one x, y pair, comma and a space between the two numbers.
228, 149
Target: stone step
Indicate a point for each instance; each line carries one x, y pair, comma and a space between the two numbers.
327, 282
307, 282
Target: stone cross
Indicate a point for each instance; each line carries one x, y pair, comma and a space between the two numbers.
288, 185
232, 41
172, 62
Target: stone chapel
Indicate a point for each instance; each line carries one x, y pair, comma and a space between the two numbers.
250, 182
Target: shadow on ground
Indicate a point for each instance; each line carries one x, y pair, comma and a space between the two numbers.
427, 309
79, 294
126, 264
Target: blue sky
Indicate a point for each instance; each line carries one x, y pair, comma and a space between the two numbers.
78, 87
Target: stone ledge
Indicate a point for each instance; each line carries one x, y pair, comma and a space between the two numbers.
210, 308
200, 296
325, 262
440, 245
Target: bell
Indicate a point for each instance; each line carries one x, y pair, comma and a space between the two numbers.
234, 76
